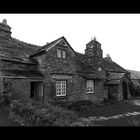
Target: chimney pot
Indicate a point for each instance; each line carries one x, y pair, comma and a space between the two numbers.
4, 21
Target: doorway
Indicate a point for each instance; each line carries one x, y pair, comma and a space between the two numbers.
124, 90
36, 89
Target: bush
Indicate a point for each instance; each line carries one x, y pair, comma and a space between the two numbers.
7, 96
83, 104
43, 114
80, 105
5, 99
76, 106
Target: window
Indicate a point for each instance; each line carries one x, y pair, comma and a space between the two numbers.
61, 53
90, 86
58, 53
60, 88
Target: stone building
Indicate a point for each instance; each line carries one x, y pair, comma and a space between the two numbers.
135, 78
56, 71
17, 71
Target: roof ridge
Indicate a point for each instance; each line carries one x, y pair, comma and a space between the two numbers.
26, 42
79, 53
42, 48
133, 70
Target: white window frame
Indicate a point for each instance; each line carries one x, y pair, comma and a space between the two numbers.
90, 86
60, 88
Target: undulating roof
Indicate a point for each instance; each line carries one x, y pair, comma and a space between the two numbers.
134, 74
112, 66
43, 48
16, 49
19, 73
107, 65
81, 65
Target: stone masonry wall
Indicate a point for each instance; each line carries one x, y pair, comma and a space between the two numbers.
99, 94
19, 86
49, 64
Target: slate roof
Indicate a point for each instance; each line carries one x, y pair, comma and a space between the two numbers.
84, 70
107, 65
115, 76
112, 66
81, 65
26, 74
16, 49
18, 60
43, 48
134, 74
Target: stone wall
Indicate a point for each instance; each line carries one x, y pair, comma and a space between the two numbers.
100, 90
113, 91
116, 91
19, 86
50, 63
62, 68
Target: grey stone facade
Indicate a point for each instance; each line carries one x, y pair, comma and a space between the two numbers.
33, 71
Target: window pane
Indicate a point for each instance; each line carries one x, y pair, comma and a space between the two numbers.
58, 53
90, 86
63, 54
60, 88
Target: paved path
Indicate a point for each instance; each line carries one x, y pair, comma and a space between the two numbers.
126, 113
5, 120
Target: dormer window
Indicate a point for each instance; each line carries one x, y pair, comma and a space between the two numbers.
61, 53
58, 53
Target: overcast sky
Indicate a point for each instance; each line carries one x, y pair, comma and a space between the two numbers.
119, 34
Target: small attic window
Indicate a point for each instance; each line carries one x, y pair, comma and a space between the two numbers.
61, 53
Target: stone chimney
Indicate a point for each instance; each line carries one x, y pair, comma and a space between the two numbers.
93, 52
5, 29
108, 58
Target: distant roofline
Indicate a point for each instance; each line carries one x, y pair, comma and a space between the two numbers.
26, 42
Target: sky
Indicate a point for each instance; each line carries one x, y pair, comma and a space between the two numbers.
119, 34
